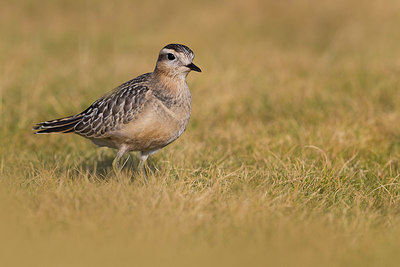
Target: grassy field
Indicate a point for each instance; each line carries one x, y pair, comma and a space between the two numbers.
291, 157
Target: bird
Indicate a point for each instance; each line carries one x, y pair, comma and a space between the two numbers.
143, 114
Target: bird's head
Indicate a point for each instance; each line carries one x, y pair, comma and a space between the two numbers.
176, 60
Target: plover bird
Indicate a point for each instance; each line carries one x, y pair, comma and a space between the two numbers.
144, 114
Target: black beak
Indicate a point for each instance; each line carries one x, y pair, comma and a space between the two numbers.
193, 67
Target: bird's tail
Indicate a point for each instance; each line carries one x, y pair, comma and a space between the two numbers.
63, 125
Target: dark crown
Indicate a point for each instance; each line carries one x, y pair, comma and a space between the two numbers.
179, 48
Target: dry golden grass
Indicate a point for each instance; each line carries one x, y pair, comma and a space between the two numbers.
291, 156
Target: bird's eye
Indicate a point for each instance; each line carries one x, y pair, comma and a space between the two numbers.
171, 56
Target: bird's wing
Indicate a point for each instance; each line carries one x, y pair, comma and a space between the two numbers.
111, 111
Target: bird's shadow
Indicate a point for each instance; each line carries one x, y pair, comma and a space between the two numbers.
101, 165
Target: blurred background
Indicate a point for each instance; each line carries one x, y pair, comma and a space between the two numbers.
290, 157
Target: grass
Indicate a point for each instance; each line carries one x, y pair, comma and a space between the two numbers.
291, 156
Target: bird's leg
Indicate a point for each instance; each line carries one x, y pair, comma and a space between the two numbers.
115, 163
143, 165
